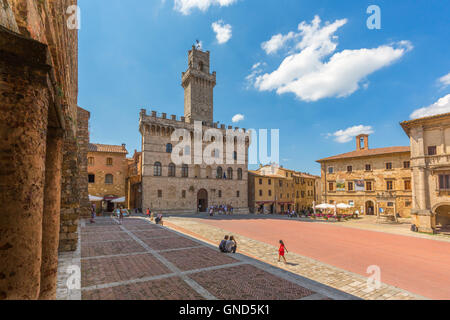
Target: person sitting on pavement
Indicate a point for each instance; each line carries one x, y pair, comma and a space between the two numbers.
158, 219
231, 245
222, 245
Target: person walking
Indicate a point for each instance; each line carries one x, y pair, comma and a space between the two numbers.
281, 251
120, 216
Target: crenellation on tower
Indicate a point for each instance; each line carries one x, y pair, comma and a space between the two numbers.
198, 84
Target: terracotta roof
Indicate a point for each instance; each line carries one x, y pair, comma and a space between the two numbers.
307, 175
94, 147
367, 153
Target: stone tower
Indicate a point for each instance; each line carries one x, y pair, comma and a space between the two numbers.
198, 84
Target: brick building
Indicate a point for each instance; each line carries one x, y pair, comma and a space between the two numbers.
430, 163
107, 170
369, 179
193, 184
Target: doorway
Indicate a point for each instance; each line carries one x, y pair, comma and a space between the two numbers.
370, 209
202, 200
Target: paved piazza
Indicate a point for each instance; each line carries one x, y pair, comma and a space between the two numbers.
142, 261
413, 266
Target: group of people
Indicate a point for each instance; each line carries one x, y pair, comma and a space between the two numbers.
221, 209
228, 245
158, 219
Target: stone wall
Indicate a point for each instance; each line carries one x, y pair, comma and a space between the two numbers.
83, 142
38, 101
378, 176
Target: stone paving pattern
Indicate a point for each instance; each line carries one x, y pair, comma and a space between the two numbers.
312, 269
142, 261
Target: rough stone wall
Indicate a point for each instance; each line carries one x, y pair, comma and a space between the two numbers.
83, 142
38, 94
198, 84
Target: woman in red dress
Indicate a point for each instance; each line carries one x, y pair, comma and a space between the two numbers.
281, 251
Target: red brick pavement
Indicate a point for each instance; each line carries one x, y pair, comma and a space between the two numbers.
176, 242
190, 259
154, 233
248, 283
104, 236
165, 289
411, 263
117, 269
109, 248
120, 277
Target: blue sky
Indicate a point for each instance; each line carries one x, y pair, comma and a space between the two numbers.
132, 53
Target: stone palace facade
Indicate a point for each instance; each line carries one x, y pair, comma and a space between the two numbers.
211, 172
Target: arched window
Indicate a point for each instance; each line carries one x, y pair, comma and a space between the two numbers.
208, 172
239, 173
219, 174
157, 169
230, 173
172, 170
109, 179
235, 155
169, 148
185, 171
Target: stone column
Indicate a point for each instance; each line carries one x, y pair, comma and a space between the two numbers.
24, 102
51, 215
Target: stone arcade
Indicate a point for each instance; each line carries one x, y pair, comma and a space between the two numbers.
43, 141
167, 187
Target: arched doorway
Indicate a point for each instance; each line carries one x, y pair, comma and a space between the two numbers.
202, 200
370, 209
443, 219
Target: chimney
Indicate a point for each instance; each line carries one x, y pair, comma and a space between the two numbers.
362, 142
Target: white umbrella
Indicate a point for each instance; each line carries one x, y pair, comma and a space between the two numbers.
343, 206
94, 198
119, 200
325, 206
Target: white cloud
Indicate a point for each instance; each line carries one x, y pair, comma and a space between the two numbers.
344, 136
277, 42
306, 73
445, 80
238, 117
223, 31
186, 6
439, 107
